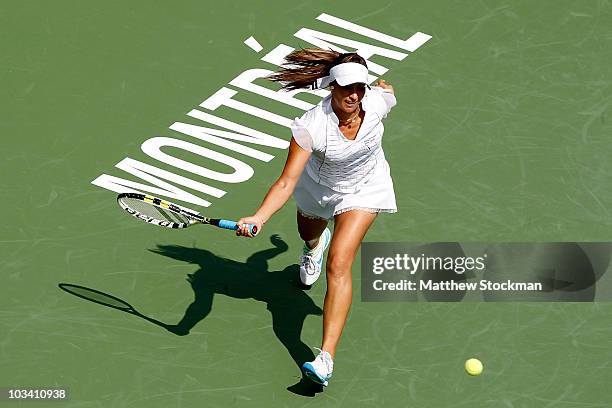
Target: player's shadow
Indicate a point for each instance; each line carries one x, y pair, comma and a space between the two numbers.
280, 290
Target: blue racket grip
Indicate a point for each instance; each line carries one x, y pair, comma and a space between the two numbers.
231, 225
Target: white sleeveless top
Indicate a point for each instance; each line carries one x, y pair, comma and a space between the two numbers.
337, 162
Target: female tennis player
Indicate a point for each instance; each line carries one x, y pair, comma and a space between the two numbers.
347, 179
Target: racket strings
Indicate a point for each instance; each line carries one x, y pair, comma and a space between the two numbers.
153, 211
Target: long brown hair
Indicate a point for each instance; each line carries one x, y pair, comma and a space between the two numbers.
303, 67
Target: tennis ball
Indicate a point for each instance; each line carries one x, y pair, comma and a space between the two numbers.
473, 366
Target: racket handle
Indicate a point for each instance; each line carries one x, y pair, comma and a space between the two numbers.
231, 225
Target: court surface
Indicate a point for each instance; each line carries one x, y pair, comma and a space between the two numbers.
501, 133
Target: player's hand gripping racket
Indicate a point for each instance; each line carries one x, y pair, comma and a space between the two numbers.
156, 211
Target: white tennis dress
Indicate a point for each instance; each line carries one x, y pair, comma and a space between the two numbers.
343, 174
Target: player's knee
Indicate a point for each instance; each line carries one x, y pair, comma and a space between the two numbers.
338, 266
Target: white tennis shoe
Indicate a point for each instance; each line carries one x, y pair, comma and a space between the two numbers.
320, 370
311, 261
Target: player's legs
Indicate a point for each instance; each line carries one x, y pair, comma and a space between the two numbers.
310, 229
350, 228
316, 238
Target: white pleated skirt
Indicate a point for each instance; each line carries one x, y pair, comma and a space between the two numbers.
375, 195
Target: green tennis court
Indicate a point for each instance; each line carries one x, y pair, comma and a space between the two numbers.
501, 134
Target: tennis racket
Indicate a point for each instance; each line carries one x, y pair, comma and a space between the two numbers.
156, 211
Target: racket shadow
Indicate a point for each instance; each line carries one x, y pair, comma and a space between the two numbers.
286, 300
106, 299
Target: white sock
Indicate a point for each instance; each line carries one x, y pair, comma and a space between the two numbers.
310, 244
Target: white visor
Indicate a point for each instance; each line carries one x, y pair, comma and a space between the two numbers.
345, 74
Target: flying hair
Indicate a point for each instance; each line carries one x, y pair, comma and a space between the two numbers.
303, 67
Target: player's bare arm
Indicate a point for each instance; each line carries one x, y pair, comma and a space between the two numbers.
281, 190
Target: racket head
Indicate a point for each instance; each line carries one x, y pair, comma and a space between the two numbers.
156, 211
97, 297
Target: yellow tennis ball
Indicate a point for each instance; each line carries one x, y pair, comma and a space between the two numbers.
473, 366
